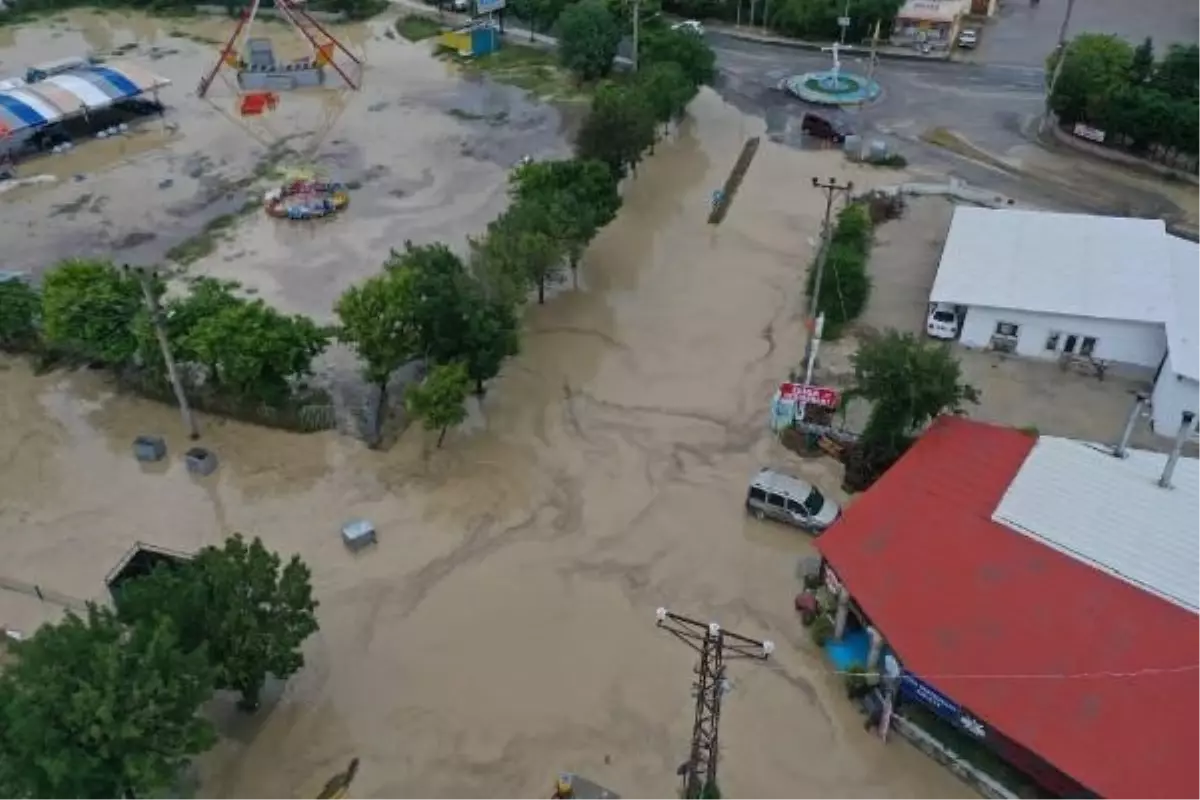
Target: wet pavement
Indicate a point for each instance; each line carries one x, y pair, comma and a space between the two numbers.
503, 629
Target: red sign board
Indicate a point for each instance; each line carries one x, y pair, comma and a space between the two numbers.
811, 395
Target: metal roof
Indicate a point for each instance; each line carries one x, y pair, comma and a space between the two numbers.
1183, 323
1071, 264
1111, 514
68, 94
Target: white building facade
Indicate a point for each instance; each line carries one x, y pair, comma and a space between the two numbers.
1052, 286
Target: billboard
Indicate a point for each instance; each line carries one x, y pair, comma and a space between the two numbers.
488, 6
812, 395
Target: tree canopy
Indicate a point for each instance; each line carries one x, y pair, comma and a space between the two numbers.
687, 51
238, 604
89, 308
376, 320
908, 382
20, 307
588, 37
92, 708
618, 130
438, 400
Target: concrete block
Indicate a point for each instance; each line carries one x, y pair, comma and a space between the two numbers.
149, 448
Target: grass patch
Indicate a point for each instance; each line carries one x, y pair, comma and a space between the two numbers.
533, 69
194, 248
416, 28
949, 140
175, 33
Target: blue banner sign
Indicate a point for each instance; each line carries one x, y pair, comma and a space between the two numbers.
914, 689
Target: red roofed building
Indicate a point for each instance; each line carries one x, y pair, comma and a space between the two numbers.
1069, 632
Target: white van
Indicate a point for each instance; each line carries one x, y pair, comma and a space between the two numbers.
787, 499
942, 322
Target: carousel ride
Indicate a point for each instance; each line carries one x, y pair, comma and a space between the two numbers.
306, 198
319, 80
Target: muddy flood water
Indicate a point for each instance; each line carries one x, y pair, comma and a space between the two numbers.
503, 629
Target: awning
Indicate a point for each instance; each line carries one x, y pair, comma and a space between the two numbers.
68, 94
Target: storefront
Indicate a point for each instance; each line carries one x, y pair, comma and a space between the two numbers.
929, 24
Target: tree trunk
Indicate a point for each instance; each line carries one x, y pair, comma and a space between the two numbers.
541, 290
574, 271
249, 701
442, 437
479, 390
376, 432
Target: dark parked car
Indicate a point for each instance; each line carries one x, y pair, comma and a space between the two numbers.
832, 130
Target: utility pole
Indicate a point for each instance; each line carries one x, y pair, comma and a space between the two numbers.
164, 344
845, 18
637, 19
1058, 65
766, 8
874, 52
831, 188
714, 645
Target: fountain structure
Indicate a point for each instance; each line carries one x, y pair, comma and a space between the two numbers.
832, 87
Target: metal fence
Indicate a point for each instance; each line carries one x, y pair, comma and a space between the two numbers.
43, 594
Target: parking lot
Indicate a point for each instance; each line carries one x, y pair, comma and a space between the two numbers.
1014, 391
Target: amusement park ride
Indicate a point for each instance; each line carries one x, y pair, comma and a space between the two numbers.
260, 78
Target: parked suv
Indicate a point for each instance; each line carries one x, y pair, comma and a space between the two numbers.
832, 130
790, 500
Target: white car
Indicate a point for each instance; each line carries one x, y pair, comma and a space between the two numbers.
942, 322
788, 499
689, 26
968, 39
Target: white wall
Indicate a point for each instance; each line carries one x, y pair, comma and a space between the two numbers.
1172, 396
1139, 343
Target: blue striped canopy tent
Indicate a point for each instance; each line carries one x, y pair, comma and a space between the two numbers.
69, 94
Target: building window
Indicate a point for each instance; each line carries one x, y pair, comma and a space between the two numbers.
1069, 345
1008, 329
1052, 340
1087, 346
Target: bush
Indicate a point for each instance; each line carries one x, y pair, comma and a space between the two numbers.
19, 308
845, 285
821, 630
856, 681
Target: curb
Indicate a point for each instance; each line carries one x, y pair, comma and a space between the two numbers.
799, 44
1119, 158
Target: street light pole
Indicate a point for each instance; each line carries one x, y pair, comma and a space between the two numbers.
637, 18
1058, 65
846, 18
164, 344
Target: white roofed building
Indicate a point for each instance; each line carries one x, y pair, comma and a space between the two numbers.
1119, 291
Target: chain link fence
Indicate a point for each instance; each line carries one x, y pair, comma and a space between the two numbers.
43, 594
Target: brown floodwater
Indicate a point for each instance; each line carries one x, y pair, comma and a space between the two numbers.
503, 629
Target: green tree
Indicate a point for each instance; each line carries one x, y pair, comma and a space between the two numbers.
435, 277
1097, 66
845, 284
91, 708
666, 89
255, 351
204, 298
908, 382
89, 308
540, 15
588, 37
519, 251
1178, 74
688, 51
238, 604
377, 321
20, 307
1141, 66
490, 333
618, 130
583, 192
438, 400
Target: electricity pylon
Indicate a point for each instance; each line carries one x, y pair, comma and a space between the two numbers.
715, 645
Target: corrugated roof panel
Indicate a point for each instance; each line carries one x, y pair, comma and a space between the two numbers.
39, 104
1073, 264
28, 116
90, 95
126, 87
1111, 514
10, 122
113, 93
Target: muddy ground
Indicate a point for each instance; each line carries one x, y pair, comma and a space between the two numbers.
503, 629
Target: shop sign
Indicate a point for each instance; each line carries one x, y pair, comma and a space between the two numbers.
1089, 133
809, 394
916, 689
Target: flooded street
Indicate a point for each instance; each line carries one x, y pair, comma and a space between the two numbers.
503, 629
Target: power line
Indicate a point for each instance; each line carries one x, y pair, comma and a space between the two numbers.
1137, 673
714, 644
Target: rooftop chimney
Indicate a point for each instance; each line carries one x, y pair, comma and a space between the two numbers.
1121, 450
1185, 429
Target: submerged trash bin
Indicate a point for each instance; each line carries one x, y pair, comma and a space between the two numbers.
201, 461
149, 448
357, 534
